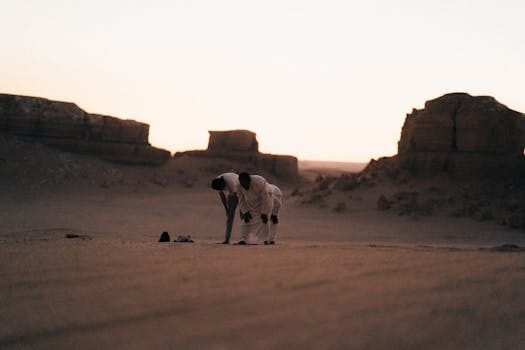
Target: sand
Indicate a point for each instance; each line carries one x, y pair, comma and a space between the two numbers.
359, 280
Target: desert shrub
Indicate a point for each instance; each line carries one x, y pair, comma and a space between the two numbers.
346, 182
340, 207
383, 203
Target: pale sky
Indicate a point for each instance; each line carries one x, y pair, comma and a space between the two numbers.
322, 80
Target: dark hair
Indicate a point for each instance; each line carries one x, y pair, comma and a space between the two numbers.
244, 176
218, 183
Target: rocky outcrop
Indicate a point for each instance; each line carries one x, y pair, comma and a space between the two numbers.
284, 167
242, 146
473, 144
233, 141
462, 135
66, 126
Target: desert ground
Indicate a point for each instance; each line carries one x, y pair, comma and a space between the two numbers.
361, 279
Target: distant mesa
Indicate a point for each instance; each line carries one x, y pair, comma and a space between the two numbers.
65, 126
233, 141
463, 135
242, 146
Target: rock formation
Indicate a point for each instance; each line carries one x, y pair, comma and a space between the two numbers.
463, 135
475, 146
242, 146
233, 141
65, 126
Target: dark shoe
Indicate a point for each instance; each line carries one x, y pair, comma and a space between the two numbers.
226, 242
266, 242
241, 243
271, 242
164, 237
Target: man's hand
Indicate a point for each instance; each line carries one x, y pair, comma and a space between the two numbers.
264, 218
274, 219
247, 217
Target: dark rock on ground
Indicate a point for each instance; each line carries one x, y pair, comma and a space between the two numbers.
383, 203
508, 248
77, 236
346, 182
340, 207
296, 192
160, 180
324, 183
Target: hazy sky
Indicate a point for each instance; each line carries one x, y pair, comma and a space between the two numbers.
327, 80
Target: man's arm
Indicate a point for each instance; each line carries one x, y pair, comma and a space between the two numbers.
242, 199
266, 200
223, 200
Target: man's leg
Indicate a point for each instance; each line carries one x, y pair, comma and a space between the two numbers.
266, 233
232, 206
245, 232
262, 231
274, 220
254, 226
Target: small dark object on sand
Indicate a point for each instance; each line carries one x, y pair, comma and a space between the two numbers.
383, 203
74, 235
508, 248
164, 237
183, 239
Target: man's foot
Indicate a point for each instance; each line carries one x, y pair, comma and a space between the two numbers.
241, 243
226, 242
266, 242
271, 242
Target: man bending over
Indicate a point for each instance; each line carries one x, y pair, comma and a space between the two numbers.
255, 205
227, 182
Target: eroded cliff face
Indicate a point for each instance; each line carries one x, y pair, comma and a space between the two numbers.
242, 146
463, 135
66, 126
233, 141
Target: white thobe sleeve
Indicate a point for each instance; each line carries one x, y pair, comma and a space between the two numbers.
241, 195
266, 199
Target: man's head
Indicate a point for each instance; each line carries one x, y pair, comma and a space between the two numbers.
245, 180
218, 183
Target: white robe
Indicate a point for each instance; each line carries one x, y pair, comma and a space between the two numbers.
257, 200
